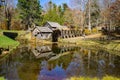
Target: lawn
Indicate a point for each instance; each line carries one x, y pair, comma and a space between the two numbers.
2, 78
6, 42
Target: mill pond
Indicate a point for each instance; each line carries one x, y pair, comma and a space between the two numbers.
58, 62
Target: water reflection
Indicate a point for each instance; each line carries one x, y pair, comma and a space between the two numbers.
42, 51
54, 51
57, 73
76, 66
57, 62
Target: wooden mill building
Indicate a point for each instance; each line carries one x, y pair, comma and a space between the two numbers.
53, 30
42, 32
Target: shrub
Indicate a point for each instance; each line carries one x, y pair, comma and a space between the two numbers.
94, 30
87, 32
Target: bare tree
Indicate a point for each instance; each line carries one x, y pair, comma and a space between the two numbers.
81, 6
7, 11
89, 11
78, 4
105, 12
114, 13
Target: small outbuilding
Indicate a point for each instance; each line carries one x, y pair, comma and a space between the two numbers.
42, 32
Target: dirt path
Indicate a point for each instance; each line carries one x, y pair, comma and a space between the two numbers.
94, 35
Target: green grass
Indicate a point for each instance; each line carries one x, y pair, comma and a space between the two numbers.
111, 46
88, 78
2, 78
5, 42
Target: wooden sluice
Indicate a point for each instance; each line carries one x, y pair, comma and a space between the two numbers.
70, 33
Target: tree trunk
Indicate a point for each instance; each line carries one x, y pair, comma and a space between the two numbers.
89, 24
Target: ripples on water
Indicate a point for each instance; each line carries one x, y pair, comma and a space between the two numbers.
58, 62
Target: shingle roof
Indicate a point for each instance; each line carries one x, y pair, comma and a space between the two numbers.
44, 29
54, 24
64, 28
58, 26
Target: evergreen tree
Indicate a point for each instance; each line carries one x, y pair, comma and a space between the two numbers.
30, 12
68, 17
61, 14
54, 13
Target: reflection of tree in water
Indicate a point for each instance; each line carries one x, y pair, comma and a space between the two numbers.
24, 53
81, 62
105, 63
8, 68
96, 63
15, 65
75, 67
57, 73
55, 48
116, 70
64, 60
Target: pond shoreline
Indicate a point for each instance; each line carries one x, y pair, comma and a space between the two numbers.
113, 45
91, 41
7, 45
87, 42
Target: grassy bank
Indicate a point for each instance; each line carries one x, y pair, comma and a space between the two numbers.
108, 45
6, 42
2, 78
88, 78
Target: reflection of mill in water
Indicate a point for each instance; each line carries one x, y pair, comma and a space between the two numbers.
79, 62
42, 51
103, 60
53, 51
